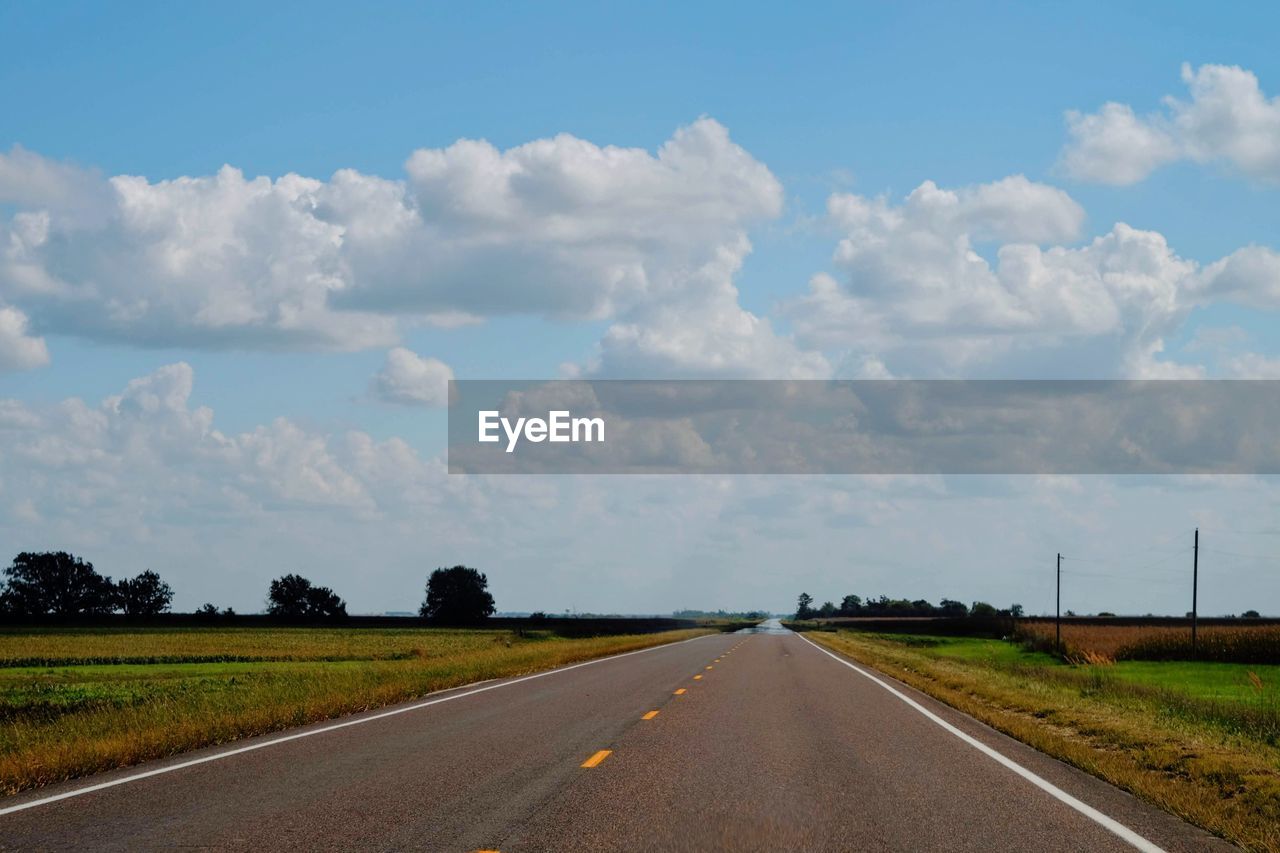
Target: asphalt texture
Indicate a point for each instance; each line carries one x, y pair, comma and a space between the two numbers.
776, 746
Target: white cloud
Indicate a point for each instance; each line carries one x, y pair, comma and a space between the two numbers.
1252, 365
1249, 276
1228, 119
914, 284
408, 378
557, 227
19, 350
145, 479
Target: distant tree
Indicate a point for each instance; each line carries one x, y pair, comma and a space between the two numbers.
982, 610
457, 596
1250, 614
229, 613
538, 616
145, 595
207, 611
950, 607
804, 606
851, 605
57, 584
295, 597
1015, 610
827, 610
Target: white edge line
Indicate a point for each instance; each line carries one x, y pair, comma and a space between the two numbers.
1108, 823
89, 789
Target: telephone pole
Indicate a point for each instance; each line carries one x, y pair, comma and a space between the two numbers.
1057, 643
1195, 584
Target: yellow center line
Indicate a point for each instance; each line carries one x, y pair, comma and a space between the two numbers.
711, 667
650, 715
597, 758
697, 678
680, 692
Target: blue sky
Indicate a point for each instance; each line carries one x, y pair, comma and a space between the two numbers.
868, 100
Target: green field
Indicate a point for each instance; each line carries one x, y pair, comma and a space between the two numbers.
1199, 739
1227, 682
78, 701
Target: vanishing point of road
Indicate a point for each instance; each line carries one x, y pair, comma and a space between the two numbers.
748, 741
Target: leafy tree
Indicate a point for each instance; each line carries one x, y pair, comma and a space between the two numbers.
55, 583
208, 611
827, 610
295, 597
1015, 610
804, 606
851, 605
1250, 614
950, 607
145, 595
457, 596
982, 610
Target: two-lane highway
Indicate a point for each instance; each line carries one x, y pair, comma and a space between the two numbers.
758, 741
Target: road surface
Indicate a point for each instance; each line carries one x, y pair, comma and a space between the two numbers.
758, 741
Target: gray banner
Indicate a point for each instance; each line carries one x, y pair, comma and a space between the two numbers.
863, 427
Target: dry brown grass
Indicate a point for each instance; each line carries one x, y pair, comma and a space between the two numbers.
1226, 783
1228, 644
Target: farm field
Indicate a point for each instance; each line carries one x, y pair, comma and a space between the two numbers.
79, 701
1200, 739
1244, 643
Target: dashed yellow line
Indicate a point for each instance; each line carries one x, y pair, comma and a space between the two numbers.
680, 692
697, 678
597, 758
650, 715
710, 667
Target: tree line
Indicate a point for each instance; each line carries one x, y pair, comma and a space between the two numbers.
58, 585
856, 605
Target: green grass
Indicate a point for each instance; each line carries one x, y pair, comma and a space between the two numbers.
100, 699
1228, 682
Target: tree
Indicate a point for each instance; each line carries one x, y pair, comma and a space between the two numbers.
804, 606
1015, 610
208, 610
982, 610
850, 605
457, 596
55, 583
950, 607
145, 595
827, 610
1250, 614
294, 597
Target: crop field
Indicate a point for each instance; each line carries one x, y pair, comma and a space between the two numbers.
1258, 644
79, 701
1198, 738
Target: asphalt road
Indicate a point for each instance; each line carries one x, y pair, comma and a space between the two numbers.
759, 742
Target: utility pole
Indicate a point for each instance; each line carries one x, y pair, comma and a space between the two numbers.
1195, 583
1057, 644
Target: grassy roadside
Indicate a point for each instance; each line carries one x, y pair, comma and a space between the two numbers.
78, 702
1215, 763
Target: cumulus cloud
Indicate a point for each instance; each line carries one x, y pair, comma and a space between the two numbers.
559, 228
410, 379
1227, 119
913, 282
19, 350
